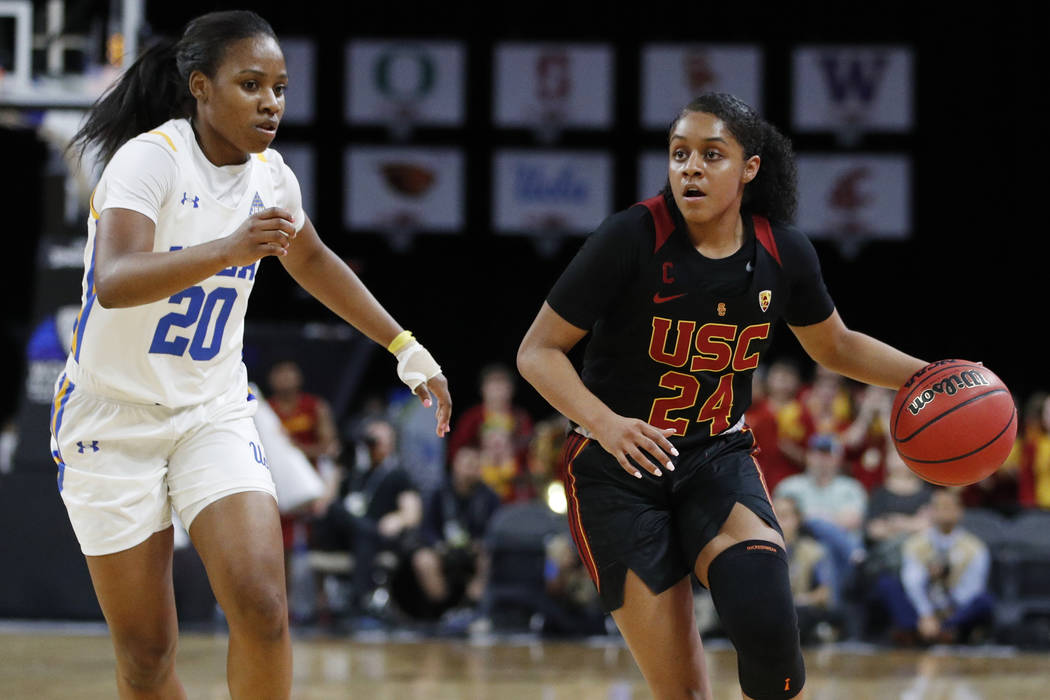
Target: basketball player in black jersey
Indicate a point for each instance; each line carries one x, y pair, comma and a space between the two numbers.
680, 294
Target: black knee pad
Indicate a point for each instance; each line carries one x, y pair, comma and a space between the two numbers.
752, 593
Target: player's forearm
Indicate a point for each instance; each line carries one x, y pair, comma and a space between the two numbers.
869, 360
551, 373
331, 281
142, 278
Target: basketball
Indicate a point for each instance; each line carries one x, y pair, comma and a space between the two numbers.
953, 422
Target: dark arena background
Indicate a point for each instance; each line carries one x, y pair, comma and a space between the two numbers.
456, 156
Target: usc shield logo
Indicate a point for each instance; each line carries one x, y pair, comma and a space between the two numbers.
764, 297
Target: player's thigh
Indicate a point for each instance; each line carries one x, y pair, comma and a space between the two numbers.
661, 632
221, 488
239, 541
741, 525
137, 597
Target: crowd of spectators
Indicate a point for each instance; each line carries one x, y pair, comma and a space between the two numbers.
875, 552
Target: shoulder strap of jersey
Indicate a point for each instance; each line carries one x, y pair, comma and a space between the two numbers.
764, 234
662, 220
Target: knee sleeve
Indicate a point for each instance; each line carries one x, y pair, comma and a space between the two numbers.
752, 594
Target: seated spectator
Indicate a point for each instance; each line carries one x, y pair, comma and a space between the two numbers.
832, 504
865, 439
575, 608
496, 408
422, 451
776, 389
376, 510
502, 467
305, 416
896, 510
825, 405
812, 576
822, 491
941, 594
450, 565
544, 456
308, 421
1034, 438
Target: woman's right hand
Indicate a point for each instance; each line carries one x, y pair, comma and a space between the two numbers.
629, 439
268, 232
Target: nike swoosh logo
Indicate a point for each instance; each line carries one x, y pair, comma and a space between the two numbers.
657, 299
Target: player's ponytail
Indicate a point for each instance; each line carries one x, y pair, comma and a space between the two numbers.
155, 88
149, 93
774, 191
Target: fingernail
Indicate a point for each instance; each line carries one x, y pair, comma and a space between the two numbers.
658, 473
670, 467
674, 452
426, 402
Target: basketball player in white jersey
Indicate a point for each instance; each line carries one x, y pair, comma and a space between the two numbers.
153, 411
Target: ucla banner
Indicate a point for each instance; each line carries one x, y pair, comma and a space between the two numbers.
553, 86
404, 189
853, 88
405, 83
855, 197
551, 192
674, 74
300, 58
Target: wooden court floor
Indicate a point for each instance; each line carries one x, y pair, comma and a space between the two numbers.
75, 662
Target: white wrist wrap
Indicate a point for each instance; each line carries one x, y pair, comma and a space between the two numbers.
415, 365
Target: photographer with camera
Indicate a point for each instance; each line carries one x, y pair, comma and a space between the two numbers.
451, 565
377, 510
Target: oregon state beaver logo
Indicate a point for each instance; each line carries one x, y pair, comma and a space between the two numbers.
764, 297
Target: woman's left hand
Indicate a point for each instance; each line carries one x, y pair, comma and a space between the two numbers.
439, 385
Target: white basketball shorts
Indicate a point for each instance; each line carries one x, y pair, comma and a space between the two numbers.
123, 467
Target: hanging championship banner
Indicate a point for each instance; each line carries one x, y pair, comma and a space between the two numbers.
551, 192
300, 158
652, 173
674, 74
853, 88
415, 189
418, 82
553, 86
847, 197
300, 59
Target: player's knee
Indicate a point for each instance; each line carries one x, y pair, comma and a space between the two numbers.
261, 610
144, 661
752, 593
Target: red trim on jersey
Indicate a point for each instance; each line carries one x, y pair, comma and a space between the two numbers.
657, 206
764, 234
573, 447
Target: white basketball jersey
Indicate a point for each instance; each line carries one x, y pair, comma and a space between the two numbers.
185, 349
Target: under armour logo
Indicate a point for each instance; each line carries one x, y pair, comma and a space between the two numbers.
93, 445
195, 200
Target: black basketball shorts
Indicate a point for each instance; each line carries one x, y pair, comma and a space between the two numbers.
656, 526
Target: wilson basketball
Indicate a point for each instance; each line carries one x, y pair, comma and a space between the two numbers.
954, 422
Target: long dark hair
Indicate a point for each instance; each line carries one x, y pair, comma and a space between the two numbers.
774, 191
155, 88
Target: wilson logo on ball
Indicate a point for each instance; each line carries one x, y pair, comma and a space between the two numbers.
949, 386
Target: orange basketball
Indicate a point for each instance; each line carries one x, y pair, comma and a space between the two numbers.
954, 422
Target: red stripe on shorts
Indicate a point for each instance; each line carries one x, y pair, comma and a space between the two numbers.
573, 446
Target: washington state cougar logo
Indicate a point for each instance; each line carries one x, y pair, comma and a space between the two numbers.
967, 379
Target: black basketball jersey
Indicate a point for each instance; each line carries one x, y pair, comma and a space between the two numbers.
676, 336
